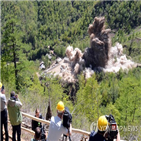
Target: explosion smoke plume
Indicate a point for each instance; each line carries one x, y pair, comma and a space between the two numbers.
97, 54
100, 56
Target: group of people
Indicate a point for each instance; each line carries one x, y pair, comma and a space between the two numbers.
11, 107
56, 128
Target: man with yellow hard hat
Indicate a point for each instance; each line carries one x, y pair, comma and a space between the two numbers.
56, 129
103, 130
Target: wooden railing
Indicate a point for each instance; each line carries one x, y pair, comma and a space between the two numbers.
48, 122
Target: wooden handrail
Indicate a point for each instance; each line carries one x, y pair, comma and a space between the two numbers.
28, 130
80, 131
48, 122
35, 118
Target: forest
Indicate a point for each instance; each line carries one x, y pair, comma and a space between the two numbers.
31, 29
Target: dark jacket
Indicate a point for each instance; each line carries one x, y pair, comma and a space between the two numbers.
36, 123
95, 136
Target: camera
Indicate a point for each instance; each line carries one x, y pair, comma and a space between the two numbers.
67, 118
112, 131
43, 135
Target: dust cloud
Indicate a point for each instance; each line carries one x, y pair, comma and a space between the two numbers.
100, 56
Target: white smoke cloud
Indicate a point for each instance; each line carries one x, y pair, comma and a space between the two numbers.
100, 56
118, 60
74, 64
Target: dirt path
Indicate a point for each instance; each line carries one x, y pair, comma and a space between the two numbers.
55, 68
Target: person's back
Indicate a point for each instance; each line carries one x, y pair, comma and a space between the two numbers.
101, 134
95, 136
56, 129
15, 115
3, 101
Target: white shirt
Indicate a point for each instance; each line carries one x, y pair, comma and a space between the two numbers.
56, 129
3, 102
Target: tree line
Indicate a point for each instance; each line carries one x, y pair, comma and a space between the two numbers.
31, 29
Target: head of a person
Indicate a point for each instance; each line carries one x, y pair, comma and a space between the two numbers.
37, 133
0, 85
2, 89
13, 95
37, 113
60, 109
102, 124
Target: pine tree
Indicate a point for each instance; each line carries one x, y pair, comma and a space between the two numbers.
90, 98
129, 101
11, 44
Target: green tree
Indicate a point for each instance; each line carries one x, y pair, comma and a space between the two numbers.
11, 45
90, 98
129, 101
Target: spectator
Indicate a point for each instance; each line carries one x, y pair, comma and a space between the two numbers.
37, 135
36, 123
15, 115
3, 113
101, 133
56, 129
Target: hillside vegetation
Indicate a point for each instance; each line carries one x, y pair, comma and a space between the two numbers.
30, 29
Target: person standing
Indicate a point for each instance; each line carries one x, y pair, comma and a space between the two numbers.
56, 128
36, 123
3, 113
15, 115
101, 134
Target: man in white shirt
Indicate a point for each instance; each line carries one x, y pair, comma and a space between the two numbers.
56, 129
3, 110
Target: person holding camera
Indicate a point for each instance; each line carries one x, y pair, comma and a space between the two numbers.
56, 128
15, 115
4, 119
107, 130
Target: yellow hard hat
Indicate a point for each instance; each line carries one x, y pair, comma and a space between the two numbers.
102, 123
0, 84
60, 106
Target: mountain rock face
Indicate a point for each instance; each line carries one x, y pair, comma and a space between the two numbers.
100, 43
